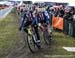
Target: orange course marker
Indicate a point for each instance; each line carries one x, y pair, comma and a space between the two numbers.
57, 22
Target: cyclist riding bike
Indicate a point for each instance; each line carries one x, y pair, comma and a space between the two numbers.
44, 23
30, 18
44, 19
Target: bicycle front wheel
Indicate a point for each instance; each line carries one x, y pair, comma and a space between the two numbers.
46, 38
31, 44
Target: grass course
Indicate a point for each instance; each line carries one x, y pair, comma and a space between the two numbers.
10, 38
9, 33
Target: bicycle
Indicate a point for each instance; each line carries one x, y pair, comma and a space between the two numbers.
31, 40
47, 33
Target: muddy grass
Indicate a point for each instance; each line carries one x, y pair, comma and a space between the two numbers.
9, 34
12, 43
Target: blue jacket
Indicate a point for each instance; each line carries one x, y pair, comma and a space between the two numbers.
34, 20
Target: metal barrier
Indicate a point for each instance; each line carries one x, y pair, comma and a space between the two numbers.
5, 11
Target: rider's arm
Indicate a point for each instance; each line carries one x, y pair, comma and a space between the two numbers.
22, 23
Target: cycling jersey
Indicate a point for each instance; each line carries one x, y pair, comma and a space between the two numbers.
43, 17
40, 18
31, 15
36, 18
46, 17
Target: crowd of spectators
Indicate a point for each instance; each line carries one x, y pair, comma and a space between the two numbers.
67, 13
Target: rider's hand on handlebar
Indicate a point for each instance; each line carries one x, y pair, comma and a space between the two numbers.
39, 24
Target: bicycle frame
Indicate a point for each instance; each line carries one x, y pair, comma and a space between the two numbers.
30, 30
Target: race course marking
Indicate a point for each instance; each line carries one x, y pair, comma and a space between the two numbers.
70, 49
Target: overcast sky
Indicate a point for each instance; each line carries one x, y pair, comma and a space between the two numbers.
51, 0
71, 2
